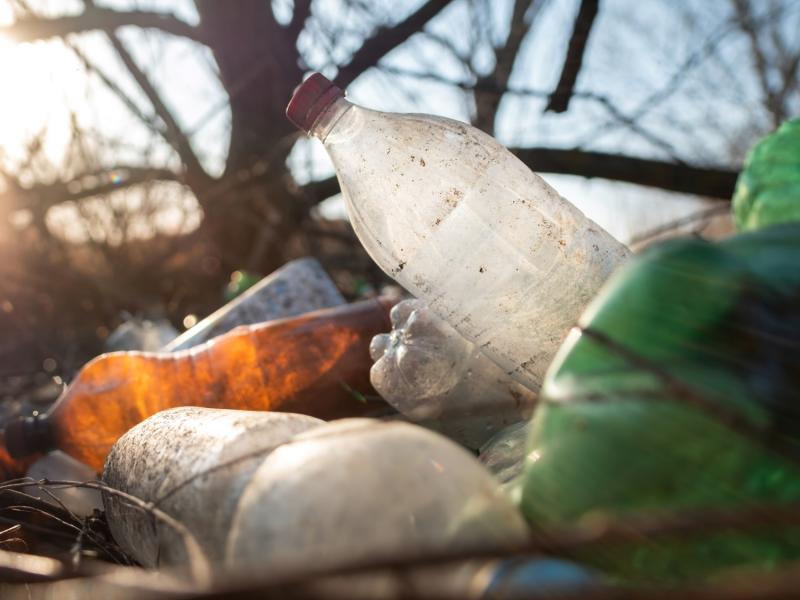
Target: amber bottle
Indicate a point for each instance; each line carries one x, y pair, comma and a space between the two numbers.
316, 364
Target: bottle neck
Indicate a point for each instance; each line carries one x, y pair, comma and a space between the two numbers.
328, 118
28, 435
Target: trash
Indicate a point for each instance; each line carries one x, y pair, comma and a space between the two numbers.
432, 375
523, 577
137, 333
768, 188
504, 454
679, 392
298, 287
314, 364
192, 463
59, 466
463, 224
240, 282
362, 490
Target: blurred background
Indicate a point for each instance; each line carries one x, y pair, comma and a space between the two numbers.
146, 165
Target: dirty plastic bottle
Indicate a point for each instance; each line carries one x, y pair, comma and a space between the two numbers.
433, 376
362, 490
463, 224
315, 364
193, 464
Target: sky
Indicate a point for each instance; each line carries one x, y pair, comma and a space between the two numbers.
635, 48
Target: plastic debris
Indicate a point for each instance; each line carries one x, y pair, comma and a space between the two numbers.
298, 287
192, 463
768, 189
358, 490
463, 224
59, 466
504, 453
679, 393
432, 375
315, 364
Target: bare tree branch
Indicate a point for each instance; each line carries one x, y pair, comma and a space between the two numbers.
302, 10
81, 187
505, 56
175, 135
94, 18
90, 67
710, 182
715, 183
387, 39
587, 13
760, 60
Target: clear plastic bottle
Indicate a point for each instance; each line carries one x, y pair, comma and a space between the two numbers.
435, 377
359, 489
462, 223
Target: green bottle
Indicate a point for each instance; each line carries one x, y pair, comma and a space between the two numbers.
767, 189
615, 435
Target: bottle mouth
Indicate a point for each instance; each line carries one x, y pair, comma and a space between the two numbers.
27, 435
310, 99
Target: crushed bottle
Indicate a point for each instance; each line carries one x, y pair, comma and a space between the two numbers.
193, 464
359, 489
433, 376
463, 224
316, 364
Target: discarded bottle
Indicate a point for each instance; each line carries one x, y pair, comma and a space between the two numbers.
10, 467
315, 364
362, 490
679, 393
298, 287
463, 224
504, 454
435, 377
192, 463
768, 188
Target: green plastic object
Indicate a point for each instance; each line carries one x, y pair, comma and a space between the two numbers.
615, 435
240, 282
768, 188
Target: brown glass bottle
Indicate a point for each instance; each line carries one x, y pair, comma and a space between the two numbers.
314, 364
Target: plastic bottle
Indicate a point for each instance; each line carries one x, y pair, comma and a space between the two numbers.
679, 395
360, 490
435, 377
315, 364
504, 454
768, 188
191, 463
463, 224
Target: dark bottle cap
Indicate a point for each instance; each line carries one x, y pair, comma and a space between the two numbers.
310, 99
27, 435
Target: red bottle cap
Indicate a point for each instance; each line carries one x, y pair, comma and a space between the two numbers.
310, 99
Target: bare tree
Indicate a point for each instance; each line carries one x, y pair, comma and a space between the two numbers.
253, 212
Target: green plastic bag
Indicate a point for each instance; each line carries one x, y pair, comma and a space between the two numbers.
616, 432
768, 189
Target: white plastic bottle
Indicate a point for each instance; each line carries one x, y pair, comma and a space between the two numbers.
463, 224
192, 463
359, 490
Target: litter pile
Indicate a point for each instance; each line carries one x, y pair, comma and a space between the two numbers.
547, 416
